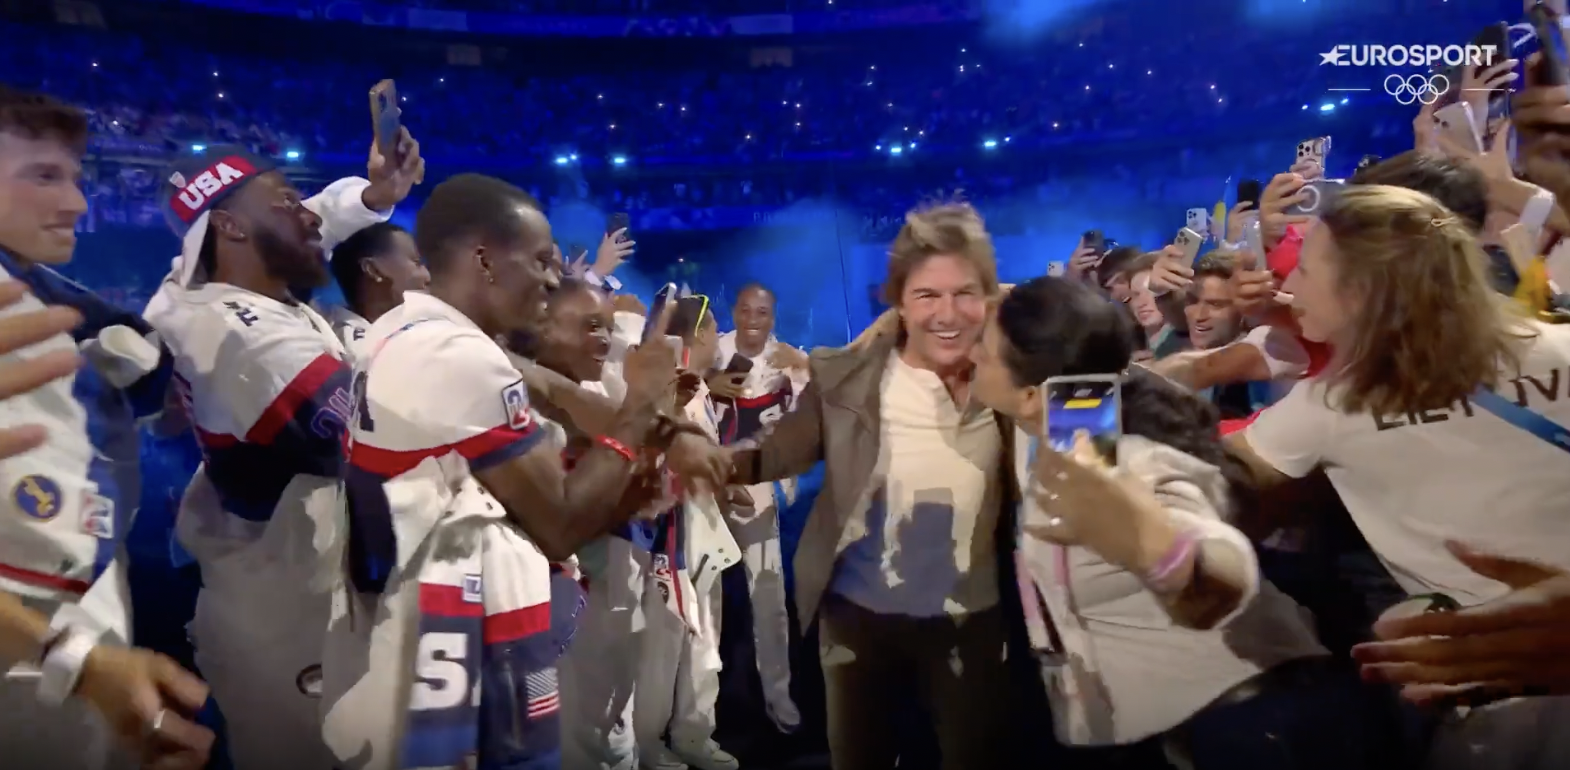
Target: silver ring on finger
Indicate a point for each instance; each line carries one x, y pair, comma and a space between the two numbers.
158, 722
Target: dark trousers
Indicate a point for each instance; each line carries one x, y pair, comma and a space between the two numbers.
1313, 715
1321, 720
954, 669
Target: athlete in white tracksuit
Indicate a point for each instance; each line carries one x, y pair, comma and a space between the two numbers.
266, 386
644, 662
68, 503
767, 393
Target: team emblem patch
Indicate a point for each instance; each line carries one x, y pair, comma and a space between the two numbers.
37, 496
309, 681
97, 516
515, 399
471, 589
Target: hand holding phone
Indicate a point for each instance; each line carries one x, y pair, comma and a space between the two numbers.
664, 306
1070, 479
1094, 241
1248, 191
1458, 123
1317, 196
731, 383
1313, 151
1092, 405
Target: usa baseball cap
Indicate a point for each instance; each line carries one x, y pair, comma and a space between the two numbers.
193, 185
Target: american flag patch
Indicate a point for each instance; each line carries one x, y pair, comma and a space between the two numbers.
543, 697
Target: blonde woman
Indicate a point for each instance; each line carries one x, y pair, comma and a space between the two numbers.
1437, 420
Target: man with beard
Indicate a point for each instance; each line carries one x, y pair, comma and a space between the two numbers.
263, 380
1213, 321
457, 506
744, 405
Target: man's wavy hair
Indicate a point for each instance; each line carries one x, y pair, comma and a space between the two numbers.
1429, 328
953, 229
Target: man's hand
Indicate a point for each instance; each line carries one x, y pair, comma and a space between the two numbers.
24, 375
727, 384
701, 464
1515, 644
786, 357
1082, 262
650, 369
1170, 274
149, 702
391, 182
612, 252
1283, 191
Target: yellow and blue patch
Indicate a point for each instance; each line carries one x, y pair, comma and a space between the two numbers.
38, 496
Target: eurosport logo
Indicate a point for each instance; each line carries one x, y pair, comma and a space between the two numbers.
1426, 56
1417, 88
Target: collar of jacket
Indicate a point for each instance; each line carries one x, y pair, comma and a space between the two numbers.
852, 379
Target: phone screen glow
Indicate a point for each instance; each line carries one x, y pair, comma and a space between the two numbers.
1091, 406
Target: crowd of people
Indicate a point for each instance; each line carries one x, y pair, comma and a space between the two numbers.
141, 99
1265, 495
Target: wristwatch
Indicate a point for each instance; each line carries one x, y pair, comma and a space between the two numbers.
64, 655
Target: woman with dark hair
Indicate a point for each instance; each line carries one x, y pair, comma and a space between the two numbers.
1155, 632
373, 268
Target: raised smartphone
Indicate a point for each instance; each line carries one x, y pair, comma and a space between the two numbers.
1092, 403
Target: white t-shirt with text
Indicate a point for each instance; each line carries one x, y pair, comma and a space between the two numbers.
1413, 481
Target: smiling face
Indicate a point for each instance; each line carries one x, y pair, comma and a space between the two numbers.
943, 308
578, 334
1212, 319
1143, 301
754, 318
40, 197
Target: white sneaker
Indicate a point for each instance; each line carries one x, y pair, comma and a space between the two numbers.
706, 756
785, 718
662, 759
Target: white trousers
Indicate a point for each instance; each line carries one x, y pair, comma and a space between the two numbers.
759, 538
600, 669
634, 673
70, 736
679, 677
258, 672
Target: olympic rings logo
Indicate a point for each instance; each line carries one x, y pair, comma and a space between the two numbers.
1417, 88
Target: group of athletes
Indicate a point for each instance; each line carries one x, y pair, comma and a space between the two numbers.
476, 519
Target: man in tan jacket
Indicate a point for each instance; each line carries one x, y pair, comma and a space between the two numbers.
899, 561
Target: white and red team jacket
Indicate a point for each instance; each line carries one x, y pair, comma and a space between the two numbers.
436, 399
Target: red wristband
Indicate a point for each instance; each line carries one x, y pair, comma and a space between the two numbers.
617, 447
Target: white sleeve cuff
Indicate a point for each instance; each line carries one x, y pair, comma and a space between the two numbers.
608, 283
341, 205
1284, 355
